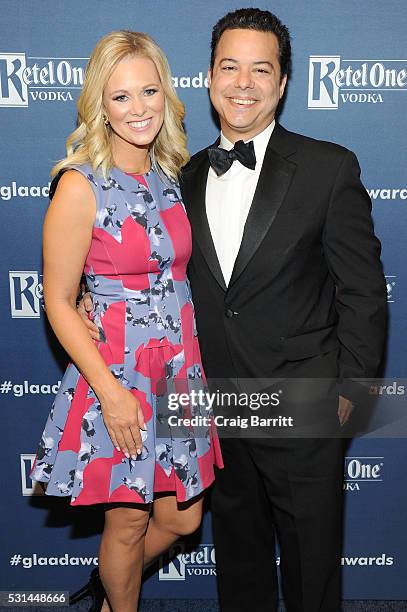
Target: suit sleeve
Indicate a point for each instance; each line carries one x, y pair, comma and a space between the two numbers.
352, 252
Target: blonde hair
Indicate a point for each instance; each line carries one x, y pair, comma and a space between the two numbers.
90, 142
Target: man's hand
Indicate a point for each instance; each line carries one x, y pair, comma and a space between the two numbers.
344, 410
85, 306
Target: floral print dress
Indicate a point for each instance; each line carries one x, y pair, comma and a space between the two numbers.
136, 273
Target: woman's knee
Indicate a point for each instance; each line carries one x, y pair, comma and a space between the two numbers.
180, 522
187, 525
129, 524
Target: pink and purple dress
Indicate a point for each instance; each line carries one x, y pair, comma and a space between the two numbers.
136, 273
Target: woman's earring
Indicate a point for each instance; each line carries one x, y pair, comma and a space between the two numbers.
105, 120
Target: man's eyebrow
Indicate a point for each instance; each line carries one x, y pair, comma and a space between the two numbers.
256, 63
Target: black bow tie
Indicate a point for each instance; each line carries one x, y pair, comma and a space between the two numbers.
221, 160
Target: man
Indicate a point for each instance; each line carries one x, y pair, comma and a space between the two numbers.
287, 281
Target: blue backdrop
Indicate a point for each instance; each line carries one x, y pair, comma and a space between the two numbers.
348, 85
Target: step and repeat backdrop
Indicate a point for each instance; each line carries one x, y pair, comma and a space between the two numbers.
348, 85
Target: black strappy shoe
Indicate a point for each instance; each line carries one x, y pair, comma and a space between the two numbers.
94, 589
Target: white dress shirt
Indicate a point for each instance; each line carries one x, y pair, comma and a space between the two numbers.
228, 201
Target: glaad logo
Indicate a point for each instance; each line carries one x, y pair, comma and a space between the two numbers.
28, 486
25, 295
7, 192
390, 285
362, 469
331, 80
177, 564
186, 82
45, 79
393, 389
388, 193
378, 560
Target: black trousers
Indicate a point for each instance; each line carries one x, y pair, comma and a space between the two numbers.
291, 489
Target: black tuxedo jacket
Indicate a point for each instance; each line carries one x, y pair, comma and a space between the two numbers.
307, 280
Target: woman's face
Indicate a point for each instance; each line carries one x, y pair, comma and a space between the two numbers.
134, 104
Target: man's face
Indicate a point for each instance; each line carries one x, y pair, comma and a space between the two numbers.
245, 84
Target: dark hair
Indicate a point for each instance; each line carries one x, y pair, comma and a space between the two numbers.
255, 19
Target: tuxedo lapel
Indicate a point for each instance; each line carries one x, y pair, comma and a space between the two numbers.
194, 191
274, 180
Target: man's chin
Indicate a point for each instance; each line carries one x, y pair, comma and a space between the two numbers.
239, 127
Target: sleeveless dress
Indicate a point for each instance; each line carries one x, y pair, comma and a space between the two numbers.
136, 273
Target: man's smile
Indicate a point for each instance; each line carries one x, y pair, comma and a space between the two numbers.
242, 101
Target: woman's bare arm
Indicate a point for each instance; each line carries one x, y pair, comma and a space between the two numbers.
66, 242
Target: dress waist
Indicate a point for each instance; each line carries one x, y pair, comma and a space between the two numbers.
112, 290
142, 296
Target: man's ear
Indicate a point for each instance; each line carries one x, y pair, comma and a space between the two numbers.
209, 76
282, 85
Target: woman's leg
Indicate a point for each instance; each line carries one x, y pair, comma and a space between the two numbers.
169, 521
121, 555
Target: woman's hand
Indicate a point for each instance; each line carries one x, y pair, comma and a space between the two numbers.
85, 306
124, 418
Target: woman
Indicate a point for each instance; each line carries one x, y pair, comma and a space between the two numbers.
117, 216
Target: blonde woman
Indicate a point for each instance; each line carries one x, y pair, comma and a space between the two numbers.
116, 215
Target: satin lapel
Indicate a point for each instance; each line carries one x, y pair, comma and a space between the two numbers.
193, 191
274, 180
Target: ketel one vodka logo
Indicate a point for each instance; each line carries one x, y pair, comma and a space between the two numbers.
332, 80
177, 564
28, 486
390, 287
360, 470
26, 295
25, 79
